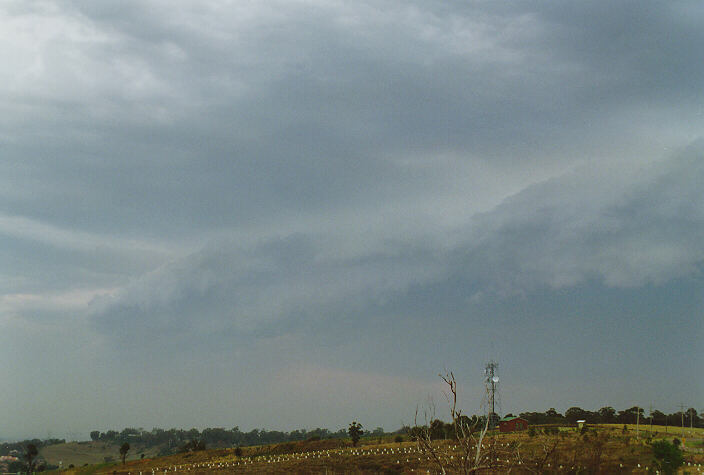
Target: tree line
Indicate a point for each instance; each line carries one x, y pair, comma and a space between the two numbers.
609, 415
211, 436
176, 438
438, 429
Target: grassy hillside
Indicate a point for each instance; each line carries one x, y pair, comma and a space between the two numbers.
616, 452
80, 453
660, 431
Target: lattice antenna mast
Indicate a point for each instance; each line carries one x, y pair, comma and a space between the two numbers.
491, 380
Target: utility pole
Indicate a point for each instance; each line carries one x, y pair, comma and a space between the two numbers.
682, 414
651, 419
637, 423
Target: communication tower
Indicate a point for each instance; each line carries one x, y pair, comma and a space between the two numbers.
491, 381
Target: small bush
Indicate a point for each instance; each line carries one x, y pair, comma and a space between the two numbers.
193, 446
668, 456
531, 432
165, 451
398, 438
238, 451
355, 431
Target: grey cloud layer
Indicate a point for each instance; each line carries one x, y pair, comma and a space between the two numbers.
173, 118
562, 233
300, 179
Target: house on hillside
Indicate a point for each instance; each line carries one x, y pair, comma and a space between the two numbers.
512, 424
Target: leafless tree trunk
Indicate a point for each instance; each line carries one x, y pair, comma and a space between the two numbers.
465, 452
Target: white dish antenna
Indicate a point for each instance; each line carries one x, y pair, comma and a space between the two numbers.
495, 379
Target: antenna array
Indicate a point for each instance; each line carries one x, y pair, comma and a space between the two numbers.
491, 381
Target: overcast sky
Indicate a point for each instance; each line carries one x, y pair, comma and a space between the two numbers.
297, 213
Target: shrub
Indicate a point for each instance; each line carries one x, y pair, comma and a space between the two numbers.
398, 438
238, 451
355, 431
668, 456
193, 446
415, 432
531, 432
16, 467
165, 451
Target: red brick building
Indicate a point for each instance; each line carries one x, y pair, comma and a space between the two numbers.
511, 424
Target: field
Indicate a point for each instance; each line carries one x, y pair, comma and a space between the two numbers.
80, 453
606, 449
661, 431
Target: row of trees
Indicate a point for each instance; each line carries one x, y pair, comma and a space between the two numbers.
211, 436
609, 415
437, 428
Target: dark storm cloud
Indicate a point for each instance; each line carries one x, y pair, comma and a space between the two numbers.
211, 117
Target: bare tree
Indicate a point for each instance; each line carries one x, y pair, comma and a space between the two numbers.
465, 452
539, 462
